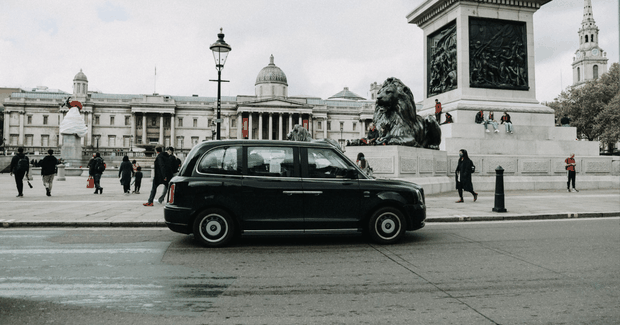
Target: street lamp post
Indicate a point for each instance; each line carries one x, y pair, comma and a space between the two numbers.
220, 52
341, 140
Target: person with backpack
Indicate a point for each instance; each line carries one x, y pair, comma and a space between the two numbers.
96, 168
20, 167
48, 170
161, 174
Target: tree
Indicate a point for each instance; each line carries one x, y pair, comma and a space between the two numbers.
591, 107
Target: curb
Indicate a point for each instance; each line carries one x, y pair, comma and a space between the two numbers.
550, 216
162, 224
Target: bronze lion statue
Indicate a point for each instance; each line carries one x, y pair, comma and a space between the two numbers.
395, 114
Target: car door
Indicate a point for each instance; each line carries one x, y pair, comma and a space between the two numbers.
272, 189
331, 199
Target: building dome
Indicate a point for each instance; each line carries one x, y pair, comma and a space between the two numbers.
80, 76
270, 74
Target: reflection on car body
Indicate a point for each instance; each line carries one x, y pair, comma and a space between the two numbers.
226, 188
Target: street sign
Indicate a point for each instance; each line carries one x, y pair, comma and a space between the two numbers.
218, 120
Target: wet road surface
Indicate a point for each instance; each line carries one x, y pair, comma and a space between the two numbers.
535, 272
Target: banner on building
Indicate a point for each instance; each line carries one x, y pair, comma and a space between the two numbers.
244, 130
305, 124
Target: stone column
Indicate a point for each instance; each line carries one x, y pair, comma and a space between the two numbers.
300, 119
6, 134
172, 130
21, 129
325, 128
227, 121
270, 137
260, 126
88, 139
290, 122
161, 128
280, 127
250, 126
132, 137
144, 128
362, 128
239, 125
310, 128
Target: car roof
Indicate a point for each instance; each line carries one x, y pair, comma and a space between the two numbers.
313, 144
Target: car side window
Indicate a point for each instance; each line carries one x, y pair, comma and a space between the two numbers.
325, 163
271, 161
221, 161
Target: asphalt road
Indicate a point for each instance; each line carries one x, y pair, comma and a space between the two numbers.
525, 272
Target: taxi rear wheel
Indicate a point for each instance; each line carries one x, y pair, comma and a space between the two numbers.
214, 228
387, 226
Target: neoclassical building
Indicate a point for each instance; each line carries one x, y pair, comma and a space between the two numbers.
120, 122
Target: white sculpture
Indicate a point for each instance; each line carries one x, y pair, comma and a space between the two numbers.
73, 123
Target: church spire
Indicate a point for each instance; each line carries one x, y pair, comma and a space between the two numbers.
588, 18
590, 60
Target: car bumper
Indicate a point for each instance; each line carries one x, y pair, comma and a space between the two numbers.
416, 216
178, 219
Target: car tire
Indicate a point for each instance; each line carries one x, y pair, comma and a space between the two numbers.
214, 228
387, 226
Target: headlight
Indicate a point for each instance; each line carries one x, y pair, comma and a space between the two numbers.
420, 195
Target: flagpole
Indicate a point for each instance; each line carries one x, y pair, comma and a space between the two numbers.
155, 81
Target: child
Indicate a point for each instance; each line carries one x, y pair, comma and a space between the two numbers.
138, 180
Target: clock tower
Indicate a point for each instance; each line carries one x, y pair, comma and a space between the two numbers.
590, 61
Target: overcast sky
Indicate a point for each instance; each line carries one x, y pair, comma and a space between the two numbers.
322, 46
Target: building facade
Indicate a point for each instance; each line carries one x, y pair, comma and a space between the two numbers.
124, 122
590, 61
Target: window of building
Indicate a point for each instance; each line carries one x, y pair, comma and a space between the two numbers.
195, 122
96, 120
139, 121
127, 120
167, 122
233, 122
126, 141
354, 126
154, 121
578, 74
112, 120
111, 141
29, 138
586, 38
45, 140
45, 118
319, 125
180, 122
595, 72
341, 126
14, 139
179, 142
221, 161
329, 125
29, 119
194, 141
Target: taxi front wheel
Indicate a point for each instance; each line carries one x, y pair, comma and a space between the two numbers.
386, 226
214, 228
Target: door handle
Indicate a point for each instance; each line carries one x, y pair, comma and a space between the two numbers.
366, 193
292, 192
313, 192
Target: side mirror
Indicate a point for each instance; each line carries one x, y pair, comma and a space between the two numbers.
351, 173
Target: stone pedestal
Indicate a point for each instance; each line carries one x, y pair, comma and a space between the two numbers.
402, 161
479, 55
71, 151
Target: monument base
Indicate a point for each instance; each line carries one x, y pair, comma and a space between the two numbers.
71, 150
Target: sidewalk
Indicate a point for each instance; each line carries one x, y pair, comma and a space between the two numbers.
73, 205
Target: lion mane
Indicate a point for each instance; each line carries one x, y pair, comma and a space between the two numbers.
395, 111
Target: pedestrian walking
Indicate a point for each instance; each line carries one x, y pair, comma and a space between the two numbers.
506, 120
138, 180
19, 167
48, 170
125, 172
172, 169
571, 172
463, 172
160, 176
96, 168
437, 110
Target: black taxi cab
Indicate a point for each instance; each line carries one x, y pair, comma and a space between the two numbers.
231, 187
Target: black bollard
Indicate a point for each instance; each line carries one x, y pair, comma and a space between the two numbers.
499, 190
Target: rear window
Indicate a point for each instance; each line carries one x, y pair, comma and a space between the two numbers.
271, 161
223, 160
